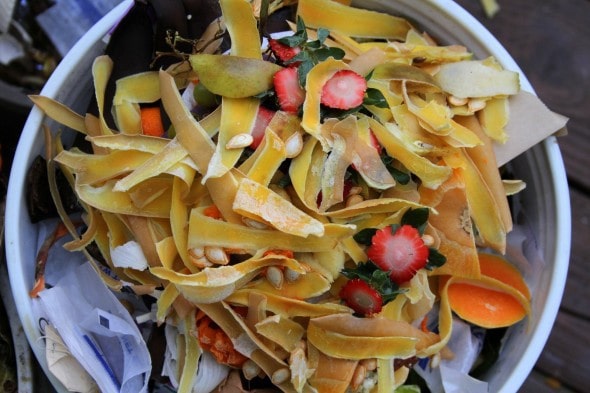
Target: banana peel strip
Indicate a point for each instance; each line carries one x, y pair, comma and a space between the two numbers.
307, 286
288, 307
348, 337
354, 22
101, 72
199, 146
213, 284
59, 112
192, 355
477, 79
258, 202
237, 114
431, 174
228, 235
482, 205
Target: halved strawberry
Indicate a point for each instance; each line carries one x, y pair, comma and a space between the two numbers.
344, 90
401, 254
361, 297
263, 118
290, 94
283, 52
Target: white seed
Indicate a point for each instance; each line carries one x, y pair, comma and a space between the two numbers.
239, 141
475, 105
353, 200
201, 263
250, 369
360, 372
197, 252
216, 255
457, 101
279, 376
197, 257
435, 360
428, 240
253, 223
291, 275
294, 145
274, 275
356, 190
423, 145
369, 364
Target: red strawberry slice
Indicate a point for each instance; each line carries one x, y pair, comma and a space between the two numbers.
344, 90
401, 254
290, 94
263, 118
361, 297
281, 51
375, 143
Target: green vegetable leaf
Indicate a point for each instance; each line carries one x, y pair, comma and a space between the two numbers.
322, 34
364, 236
435, 259
418, 218
408, 389
376, 278
400, 176
375, 97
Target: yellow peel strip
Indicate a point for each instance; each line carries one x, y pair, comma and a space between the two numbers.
224, 234
101, 72
60, 113
288, 307
432, 175
351, 21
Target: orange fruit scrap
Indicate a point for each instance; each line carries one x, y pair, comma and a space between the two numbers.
151, 121
499, 298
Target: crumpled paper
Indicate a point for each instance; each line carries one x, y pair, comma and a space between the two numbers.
530, 122
98, 331
210, 373
452, 375
66, 368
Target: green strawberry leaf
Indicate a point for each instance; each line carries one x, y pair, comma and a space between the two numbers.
435, 259
364, 236
375, 97
418, 218
400, 176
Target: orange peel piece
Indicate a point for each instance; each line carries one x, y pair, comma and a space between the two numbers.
499, 298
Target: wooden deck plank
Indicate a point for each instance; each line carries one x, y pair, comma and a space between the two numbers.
565, 357
576, 298
539, 383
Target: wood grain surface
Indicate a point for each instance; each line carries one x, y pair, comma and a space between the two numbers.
550, 40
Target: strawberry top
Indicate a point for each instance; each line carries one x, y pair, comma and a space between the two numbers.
401, 253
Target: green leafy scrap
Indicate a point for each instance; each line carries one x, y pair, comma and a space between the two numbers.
376, 278
312, 51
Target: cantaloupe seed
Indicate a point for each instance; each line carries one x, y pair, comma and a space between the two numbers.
483, 306
497, 267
